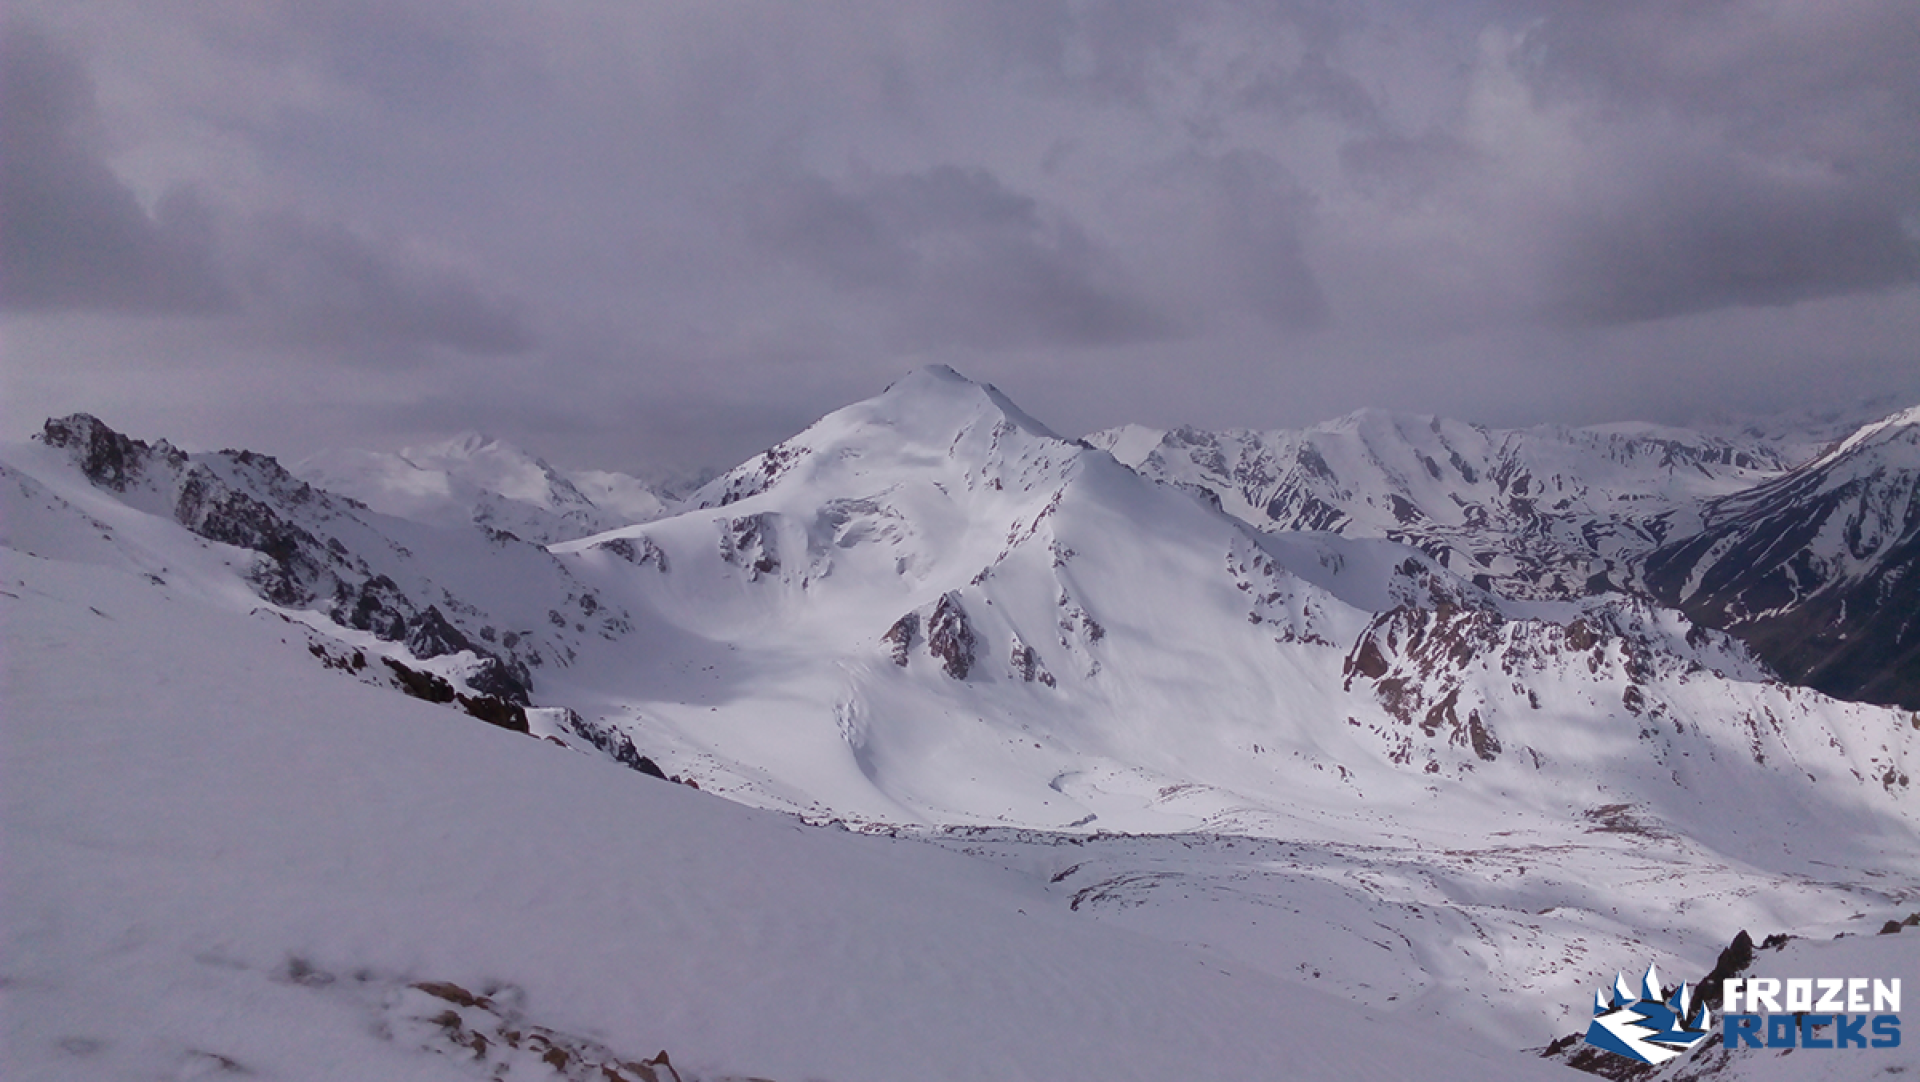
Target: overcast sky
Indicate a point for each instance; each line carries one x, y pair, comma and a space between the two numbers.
631, 233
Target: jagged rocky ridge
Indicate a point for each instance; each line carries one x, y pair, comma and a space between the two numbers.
328, 554
1812, 564
1818, 569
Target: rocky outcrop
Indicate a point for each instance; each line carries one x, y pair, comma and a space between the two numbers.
1026, 665
249, 501
901, 637
950, 637
609, 739
489, 1031
643, 554
751, 543
752, 478
107, 458
1431, 669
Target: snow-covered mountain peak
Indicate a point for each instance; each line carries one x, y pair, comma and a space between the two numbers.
1899, 433
474, 478
499, 467
930, 417
944, 397
465, 445
1130, 443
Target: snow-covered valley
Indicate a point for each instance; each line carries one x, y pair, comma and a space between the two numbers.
1016, 759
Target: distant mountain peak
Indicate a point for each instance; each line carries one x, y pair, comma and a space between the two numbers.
941, 384
469, 442
476, 478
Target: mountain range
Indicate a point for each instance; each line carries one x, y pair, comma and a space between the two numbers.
1443, 722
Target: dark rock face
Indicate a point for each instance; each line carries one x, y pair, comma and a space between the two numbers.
950, 637
640, 555
495, 711
750, 543
614, 743
375, 605
1818, 571
502, 679
432, 636
1733, 961
420, 685
296, 560
901, 637
106, 457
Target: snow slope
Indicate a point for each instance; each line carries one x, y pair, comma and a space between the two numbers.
222, 860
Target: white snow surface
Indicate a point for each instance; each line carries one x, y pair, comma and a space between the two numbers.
221, 860
1214, 797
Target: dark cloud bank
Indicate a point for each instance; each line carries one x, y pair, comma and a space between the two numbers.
677, 233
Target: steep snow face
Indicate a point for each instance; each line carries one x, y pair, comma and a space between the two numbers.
1545, 512
1817, 568
479, 480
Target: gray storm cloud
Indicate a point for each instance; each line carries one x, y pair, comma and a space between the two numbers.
959, 258
74, 235
682, 231
77, 238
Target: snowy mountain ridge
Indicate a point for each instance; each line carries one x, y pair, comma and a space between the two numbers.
1538, 512
1559, 513
474, 478
1366, 762
1816, 568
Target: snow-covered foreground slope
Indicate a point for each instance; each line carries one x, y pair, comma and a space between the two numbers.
222, 860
